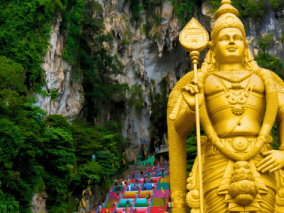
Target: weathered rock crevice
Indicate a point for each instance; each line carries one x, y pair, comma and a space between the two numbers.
146, 58
58, 77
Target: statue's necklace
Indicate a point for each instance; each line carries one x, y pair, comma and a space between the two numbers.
236, 96
233, 76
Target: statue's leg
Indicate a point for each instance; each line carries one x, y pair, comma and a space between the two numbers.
214, 169
178, 173
215, 203
268, 200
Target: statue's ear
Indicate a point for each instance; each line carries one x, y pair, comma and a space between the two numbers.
246, 43
210, 44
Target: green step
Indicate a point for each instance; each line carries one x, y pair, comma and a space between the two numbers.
109, 203
166, 186
159, 202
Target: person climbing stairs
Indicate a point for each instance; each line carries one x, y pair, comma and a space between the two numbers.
147, 192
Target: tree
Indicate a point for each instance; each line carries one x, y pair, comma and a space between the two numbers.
267, 61
266, 42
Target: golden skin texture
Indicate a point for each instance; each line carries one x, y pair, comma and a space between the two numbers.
229, 48
230, 51
239, 103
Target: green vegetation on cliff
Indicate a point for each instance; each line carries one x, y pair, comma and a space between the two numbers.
39, 153
89, 51
136, 99
50, 155
24, 34
247, 8
158, 127
185, 10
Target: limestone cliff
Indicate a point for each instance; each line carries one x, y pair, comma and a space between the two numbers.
147, 58
58, 77
144, 57
69, 101
39, 203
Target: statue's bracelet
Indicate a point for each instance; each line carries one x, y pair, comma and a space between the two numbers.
189, 111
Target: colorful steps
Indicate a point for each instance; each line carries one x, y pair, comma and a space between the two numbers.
113, 195
157, 209
131, 194
139, 210
165, 186
110, 203
142, 194
159, 202
122, 203
141, 202
133, 187
137, 195
107, 210
159, 193
120, 189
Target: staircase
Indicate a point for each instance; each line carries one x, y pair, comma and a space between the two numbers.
132, 196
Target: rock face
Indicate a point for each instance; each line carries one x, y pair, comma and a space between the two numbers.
39, 201
145, 58
155, 57
88, 199
271, 24
58, 77
69, 101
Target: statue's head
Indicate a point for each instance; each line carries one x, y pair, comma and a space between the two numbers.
228, 39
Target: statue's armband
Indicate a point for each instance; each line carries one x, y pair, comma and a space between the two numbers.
280, 114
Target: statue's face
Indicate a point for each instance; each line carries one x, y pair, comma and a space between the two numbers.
230, 46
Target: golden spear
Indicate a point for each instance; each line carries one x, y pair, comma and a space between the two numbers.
194, 38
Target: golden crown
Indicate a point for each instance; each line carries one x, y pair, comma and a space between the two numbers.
226, 17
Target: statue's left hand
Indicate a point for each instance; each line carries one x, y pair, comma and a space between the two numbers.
273, 161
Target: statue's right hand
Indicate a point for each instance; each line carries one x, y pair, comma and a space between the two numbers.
188, 94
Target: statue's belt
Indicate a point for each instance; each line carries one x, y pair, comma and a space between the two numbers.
238, 144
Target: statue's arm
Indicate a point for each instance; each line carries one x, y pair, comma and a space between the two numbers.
280, 120
274, 159
178, 128
185, 120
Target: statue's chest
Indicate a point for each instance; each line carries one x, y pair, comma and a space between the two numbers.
233, 93
233, 84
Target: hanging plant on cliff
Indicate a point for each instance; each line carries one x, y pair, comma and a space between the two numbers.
89, 50
185, 9
136, 99
247, 8
265, 60
24, 34
158, 126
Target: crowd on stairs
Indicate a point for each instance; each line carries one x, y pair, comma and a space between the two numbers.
144, 192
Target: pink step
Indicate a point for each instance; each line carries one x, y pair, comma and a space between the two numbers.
140, 210
159, 193
113, 196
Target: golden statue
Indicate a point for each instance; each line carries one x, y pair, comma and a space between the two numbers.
238, 103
